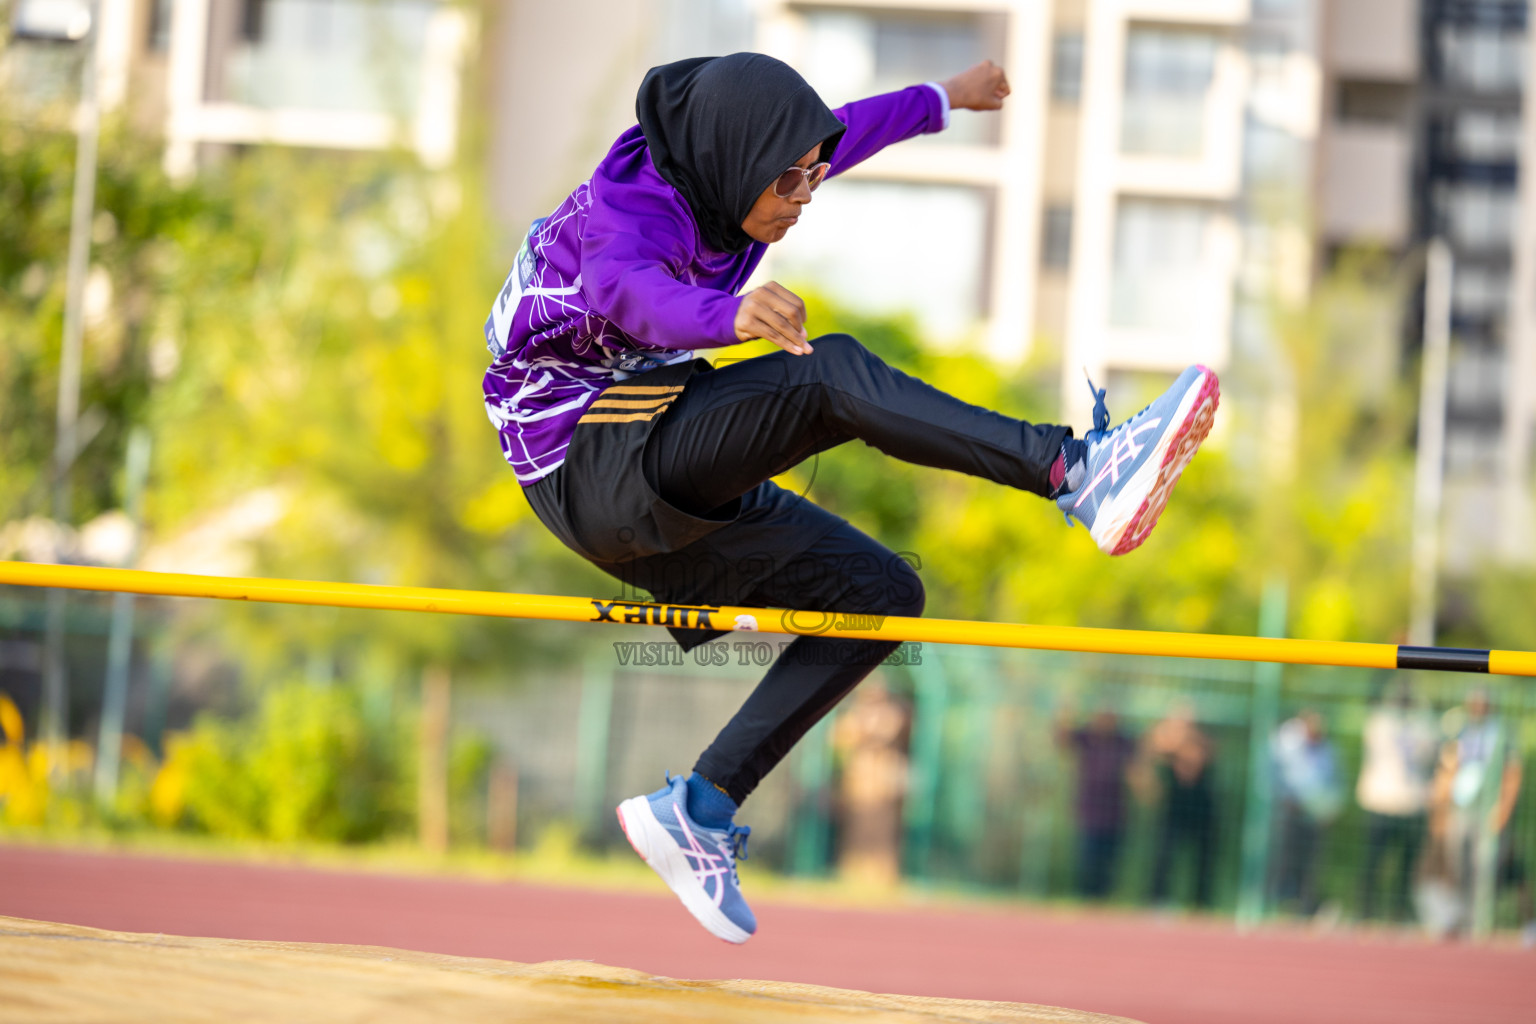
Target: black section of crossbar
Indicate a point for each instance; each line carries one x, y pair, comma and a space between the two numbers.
1443, 659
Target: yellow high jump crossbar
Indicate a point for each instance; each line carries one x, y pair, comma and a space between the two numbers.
765, 620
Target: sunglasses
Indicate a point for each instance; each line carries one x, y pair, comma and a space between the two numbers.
790, 180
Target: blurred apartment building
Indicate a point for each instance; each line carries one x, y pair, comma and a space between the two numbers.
1423, 138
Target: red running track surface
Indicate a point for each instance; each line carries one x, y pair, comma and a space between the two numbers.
1162, 972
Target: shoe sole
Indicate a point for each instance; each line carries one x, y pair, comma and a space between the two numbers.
660, 851
1156, 477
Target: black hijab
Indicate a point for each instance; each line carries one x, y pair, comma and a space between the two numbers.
721, 129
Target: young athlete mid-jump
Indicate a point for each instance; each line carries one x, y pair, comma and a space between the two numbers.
657, 467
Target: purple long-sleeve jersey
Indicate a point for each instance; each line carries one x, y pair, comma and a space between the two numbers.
620, 272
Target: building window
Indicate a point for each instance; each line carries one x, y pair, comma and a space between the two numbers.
1161, 277
1484, 58
1480, 295
1271, 155
931, 262
1067, 67
686, 28
157, 37
1472, 449
354, 55
252, 18
1056, 238
1486, 136
915, 49
1478, 216
1269, 60
848, 55
1168, 75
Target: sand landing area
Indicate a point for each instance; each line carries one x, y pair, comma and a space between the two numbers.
56, 973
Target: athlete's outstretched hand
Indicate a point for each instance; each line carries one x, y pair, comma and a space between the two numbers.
983, 87
775, 313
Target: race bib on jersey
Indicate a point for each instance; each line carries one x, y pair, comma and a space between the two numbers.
499, 323
630, 364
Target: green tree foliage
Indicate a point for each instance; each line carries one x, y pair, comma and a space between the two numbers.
309, 764
1306, 479
141, 225
1493, 610
304, 326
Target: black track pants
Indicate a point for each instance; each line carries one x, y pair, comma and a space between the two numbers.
748, 421
740, 424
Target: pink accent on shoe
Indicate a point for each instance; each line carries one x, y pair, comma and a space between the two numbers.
1058, 474
1191, 432
624, 827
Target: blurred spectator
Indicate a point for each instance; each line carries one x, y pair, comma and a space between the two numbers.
1398, 757
872, 736
1475, 788
1103, 754
1308, 797
1181, 755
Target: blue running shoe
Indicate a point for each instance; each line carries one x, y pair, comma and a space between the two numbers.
1131, 469
697, 863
